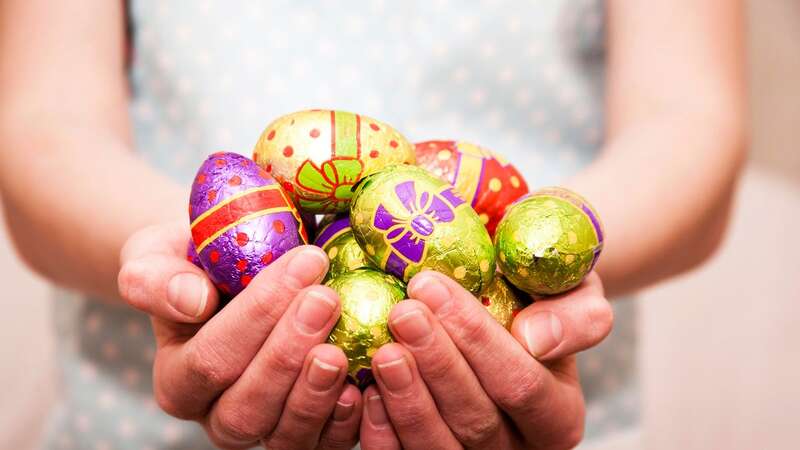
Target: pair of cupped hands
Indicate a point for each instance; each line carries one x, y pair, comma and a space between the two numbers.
259, 371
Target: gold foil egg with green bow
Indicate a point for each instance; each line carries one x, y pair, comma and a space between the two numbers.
319, 155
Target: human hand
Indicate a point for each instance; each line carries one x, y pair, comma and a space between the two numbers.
458, 379
257, 371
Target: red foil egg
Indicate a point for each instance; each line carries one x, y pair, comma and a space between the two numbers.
483, 178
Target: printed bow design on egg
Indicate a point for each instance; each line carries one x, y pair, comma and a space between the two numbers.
327, 188
406, 235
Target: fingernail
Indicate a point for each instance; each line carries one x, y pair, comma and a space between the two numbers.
322, 375
314, 312
543, 333
343, 411
376, 411
307, 266
188, 294
396, 375
412, 327
431, 291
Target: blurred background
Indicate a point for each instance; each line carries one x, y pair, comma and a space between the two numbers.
718, 358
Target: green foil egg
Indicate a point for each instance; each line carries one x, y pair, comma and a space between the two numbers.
336, 239
548, 241
367, 297
407, 220
502, 302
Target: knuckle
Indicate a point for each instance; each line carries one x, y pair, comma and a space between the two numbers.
169, 403
208, 369
266, 300
478, 429
305, 412
234, 426
285, 362
438, 367
411, 416
520, 394
473, 327
331, 441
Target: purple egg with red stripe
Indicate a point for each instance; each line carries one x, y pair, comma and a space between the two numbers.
241, 220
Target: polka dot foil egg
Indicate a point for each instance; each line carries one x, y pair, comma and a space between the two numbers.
241, 220
319, 155
407, 220
481, 177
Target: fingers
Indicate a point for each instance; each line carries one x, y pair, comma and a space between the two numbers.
190, 374
535, 399
554, 327
341, 432
468, 411
169, 288
252, 406
376, 429
312, 400
409, 404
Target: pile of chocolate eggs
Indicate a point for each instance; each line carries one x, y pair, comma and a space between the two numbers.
383, 210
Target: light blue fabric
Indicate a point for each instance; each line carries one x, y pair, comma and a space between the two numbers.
522, 78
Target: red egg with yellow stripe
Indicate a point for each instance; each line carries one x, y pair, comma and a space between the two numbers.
319, 155
241, 220
483, 178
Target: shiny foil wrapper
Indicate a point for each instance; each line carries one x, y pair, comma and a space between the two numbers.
367, 297
337, 240
481, 177
407, 220
241, 220
191, 254
548, 242
318, 155
502, 301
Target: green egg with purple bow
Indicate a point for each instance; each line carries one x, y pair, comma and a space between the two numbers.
407, 220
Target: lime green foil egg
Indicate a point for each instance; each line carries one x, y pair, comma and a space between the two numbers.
549, 241
336, 239
407, 220
367, 297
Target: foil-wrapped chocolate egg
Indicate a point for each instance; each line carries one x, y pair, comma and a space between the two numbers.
318, 155
481, 177
502, 301
241, 220
191, 254
407, 220
548, 242
336, 239
367, 297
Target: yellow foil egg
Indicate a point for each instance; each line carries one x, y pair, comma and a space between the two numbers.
367, 296
407, 220
319, 155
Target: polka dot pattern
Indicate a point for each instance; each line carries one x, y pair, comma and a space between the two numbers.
522, 78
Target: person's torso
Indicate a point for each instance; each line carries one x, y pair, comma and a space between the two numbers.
521, 78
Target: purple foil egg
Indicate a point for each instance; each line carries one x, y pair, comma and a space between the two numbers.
191, 254
241, 220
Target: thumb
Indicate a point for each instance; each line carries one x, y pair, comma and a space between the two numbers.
169, 288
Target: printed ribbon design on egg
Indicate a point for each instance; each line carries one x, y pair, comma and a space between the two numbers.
324, 188
407, 234
327, 186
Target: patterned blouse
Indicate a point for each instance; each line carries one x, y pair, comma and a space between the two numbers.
523, 78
